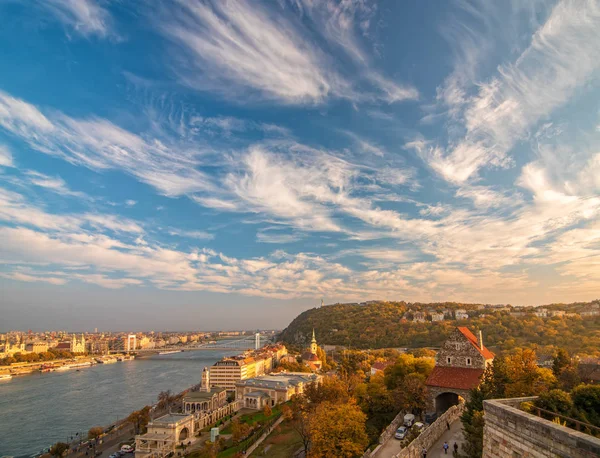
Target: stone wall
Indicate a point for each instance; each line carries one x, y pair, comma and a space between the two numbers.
458, 348
432, 433
512, 433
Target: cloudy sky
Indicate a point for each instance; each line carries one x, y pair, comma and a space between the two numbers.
195, 164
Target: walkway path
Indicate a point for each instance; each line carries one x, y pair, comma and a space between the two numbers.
454, 435
392, 446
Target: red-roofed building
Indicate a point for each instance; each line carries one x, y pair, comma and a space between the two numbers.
380, 366
459, 365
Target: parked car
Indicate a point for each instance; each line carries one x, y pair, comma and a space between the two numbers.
401, 432
430, 417
126, 449
418, 426
409, 420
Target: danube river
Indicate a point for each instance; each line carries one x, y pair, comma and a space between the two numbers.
40, 409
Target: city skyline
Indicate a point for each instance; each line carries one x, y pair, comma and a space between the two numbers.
217, 165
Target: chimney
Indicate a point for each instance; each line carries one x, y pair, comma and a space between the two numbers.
480, 340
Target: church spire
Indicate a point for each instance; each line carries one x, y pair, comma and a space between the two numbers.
314, 339
313, 343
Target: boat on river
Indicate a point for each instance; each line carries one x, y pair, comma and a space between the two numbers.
5, 377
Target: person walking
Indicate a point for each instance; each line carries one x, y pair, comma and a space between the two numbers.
455, 447
446, 448
424, 452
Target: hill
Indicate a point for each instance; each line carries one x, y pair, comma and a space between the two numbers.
392, 324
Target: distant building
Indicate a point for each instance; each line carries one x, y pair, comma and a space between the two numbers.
594, 312
558, 313
437, 316
310, 357
541, 313
380, 366
36, 347
272, 389
461, 314
77, 345
418, 317
459, 365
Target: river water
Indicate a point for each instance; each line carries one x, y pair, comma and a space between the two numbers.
40, 409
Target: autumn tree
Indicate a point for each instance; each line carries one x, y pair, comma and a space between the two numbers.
95, 432
164, 399
298, 417
267, 411
59, 449
412, 396
139, 419
239, 430
337, 430
332, 389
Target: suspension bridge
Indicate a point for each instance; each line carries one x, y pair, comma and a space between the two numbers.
253, 342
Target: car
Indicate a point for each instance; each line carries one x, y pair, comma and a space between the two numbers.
418, 426
126, 449
401, 432
114, 455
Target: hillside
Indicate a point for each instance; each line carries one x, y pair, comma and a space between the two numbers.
390, 324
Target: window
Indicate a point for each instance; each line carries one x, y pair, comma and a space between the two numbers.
468, 361
449, 360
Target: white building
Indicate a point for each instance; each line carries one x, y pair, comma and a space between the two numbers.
461, 314
437, 316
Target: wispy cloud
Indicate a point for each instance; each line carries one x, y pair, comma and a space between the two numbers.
6, 159
101, 145
199, 235
55, 184
86, 17
239, 43
563, 54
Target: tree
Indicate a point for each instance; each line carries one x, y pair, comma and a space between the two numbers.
338, 430
586, 400
267, 411
299, 420
59, 449
239, 430
331, 389
561, 361
557, 401
95, 432
164, 399
412, 396
139, 419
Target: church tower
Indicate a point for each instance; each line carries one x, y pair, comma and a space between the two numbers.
205, 384
313, 344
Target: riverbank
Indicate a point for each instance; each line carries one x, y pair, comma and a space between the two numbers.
45, 408
75, 363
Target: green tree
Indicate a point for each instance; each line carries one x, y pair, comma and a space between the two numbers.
557, 401
561, 361
586, 400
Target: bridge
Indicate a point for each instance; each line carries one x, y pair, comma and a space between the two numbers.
253, 342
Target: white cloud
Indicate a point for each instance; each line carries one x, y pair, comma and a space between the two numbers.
130, 202
563, 55
6, 159
86, 17
100, 145
245, 45
199, 235
55, 184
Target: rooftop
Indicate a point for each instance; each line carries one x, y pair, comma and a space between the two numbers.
460, 378
469, 335
171, 418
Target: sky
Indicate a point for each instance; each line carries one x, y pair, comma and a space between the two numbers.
192, 164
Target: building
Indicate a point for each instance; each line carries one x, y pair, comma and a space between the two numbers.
541, 313
255, 393
36, 347
77, 345
461, 314
163, 435
594, 312
380, 366
209, 398
419, 317
512, 433
437, 316
310, 357
459, 365
558, 313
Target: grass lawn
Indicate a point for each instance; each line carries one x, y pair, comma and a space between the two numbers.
281, 443
254, 417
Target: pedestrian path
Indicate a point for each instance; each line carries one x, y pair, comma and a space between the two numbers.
452, 436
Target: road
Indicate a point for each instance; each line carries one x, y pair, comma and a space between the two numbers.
392, 446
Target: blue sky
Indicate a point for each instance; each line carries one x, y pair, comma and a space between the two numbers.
193, 164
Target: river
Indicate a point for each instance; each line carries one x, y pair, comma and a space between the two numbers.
40, 409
